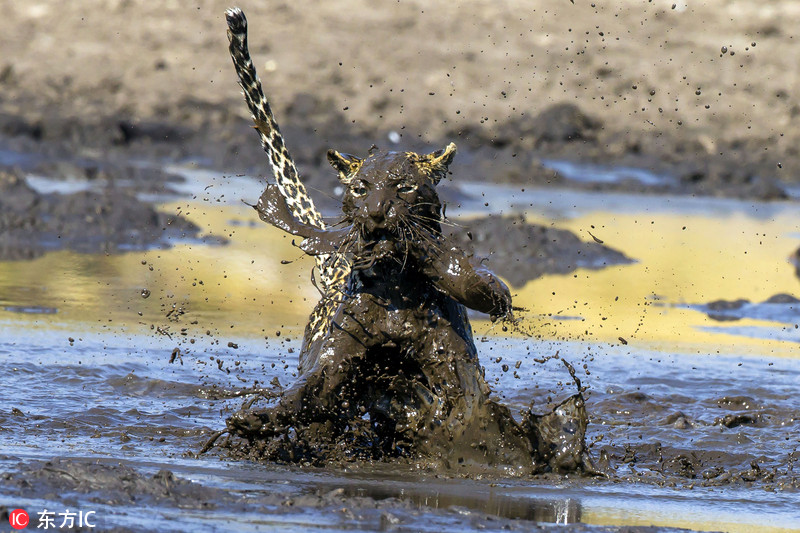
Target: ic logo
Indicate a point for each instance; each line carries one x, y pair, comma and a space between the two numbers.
18, 519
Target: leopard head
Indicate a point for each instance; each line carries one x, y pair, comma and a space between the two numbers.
388, 192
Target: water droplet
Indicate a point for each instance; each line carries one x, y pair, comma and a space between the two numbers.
145, 293
724, 49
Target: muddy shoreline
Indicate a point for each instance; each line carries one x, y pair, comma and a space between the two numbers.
93, 135
561, 147
577, 87
528, 152
673, 89
105, 485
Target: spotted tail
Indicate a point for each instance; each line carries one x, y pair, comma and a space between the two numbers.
283, 167
333, 270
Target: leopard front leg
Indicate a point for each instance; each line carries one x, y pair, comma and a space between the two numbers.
461, 424
323, 392
451, 271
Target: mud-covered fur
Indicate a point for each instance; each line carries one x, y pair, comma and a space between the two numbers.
388, 365
400, 351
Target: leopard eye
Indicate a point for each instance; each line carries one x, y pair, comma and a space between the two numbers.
406, 188
358, 190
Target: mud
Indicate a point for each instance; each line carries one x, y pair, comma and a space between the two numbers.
107, 485
517, 151
639, 88
777, 308
108, 220
662, 426
111, 484
520, 251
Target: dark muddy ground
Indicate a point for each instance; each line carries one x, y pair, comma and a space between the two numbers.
108, 219
777, 308
520, 252
626, 99
680, 436
105, 484
110, 147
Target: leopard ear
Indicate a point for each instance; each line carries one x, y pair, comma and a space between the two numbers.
438, 162
345, 164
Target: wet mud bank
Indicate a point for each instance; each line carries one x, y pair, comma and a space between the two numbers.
777, 308
111, 488
560, 145
107, 220
103, 191
520, 251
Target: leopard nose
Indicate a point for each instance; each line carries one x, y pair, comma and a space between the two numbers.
377, 210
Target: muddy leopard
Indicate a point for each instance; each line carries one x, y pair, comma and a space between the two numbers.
388, 357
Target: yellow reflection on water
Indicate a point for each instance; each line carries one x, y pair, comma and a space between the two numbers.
710, 521
680, 260
244, 289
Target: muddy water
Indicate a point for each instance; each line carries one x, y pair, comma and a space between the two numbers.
680, 413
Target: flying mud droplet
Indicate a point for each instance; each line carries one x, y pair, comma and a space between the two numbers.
598, 241
176, 355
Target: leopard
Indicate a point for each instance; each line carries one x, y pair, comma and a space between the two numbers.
388, 362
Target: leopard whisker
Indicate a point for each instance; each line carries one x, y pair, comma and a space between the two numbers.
405, 232
421, 234
446, 222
